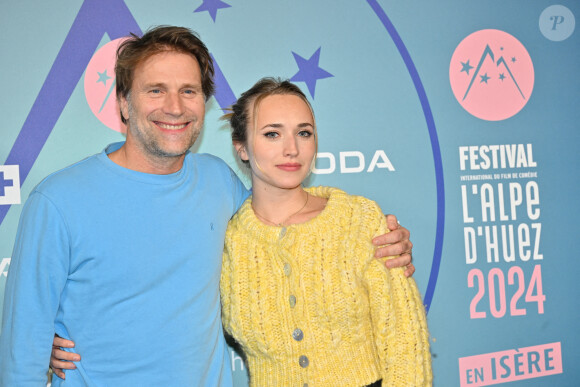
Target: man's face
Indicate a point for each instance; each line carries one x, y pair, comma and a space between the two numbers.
165, 107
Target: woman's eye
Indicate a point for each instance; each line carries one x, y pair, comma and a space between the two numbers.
271, 134
305, 133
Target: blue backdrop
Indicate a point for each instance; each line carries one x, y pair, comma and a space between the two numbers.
459, 117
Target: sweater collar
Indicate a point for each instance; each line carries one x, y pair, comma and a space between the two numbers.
248, 221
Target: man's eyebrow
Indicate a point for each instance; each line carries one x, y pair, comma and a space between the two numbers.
195, 86
155, 84
186, 86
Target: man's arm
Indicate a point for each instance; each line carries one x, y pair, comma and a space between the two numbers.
397, 243
36, 278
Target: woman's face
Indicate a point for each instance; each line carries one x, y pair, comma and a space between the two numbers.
280, 143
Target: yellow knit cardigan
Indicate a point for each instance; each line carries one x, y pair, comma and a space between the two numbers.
310, 305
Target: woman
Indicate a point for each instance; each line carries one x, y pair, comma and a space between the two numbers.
301, 290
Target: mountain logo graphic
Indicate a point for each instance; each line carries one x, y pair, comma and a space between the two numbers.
491, 75
100, 86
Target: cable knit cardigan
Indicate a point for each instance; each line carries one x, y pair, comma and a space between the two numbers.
311, 306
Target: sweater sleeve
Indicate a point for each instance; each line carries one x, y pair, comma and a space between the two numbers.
36, 278
227, 294
225, 287
399, 322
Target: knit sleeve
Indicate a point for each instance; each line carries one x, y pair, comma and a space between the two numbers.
225, 284
399, 323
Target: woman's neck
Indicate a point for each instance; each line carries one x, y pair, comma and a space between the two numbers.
279, 207
275, 207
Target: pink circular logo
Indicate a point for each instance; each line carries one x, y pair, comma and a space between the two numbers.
100, 86
491, 75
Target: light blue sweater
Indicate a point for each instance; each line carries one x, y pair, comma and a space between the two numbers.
127, 265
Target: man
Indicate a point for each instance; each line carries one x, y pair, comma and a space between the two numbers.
121, 252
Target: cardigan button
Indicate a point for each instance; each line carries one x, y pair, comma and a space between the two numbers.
298, 335
292, 301
287, 269
282, 232
303, 361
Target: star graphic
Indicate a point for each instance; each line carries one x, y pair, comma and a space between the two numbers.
513, 59
103, 77
212, 7
501, 77
466, 67
484, 78
309, 71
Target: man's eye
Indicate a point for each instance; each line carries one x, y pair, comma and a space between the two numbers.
155, 91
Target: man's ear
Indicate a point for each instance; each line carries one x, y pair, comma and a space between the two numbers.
124, 107
241, 150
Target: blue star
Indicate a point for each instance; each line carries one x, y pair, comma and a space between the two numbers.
513, 59
484, 78
309, 71
103, 77
501, 77
212, 7
466, 67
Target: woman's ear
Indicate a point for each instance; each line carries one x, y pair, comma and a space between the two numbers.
241, 150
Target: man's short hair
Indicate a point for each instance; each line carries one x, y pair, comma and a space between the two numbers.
135, 50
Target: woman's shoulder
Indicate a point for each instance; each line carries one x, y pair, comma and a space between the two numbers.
340, 198
241, 217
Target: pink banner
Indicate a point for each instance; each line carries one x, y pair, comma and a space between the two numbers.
510, 365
